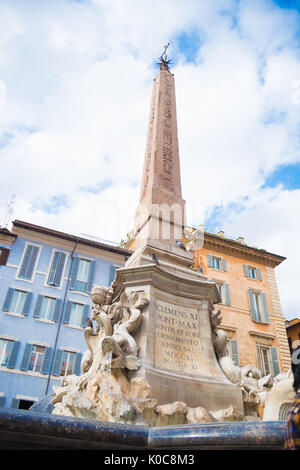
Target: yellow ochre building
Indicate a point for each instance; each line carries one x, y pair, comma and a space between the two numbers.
251, 310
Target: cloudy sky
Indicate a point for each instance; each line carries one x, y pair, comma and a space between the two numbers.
75, 87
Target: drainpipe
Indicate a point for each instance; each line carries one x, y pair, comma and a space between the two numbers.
60, 318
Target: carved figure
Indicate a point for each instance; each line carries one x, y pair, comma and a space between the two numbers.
248, 377
116, 324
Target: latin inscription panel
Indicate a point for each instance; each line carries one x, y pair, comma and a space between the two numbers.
177, 338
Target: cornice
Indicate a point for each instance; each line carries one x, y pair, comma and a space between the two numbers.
240, 250
68, 237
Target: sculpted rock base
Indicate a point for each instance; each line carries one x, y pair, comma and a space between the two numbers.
103, 399
104, 392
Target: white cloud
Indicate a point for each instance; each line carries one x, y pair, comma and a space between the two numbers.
78, 79
269, 220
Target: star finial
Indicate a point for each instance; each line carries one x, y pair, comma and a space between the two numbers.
164, 62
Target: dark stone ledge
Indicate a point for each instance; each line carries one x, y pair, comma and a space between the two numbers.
20, 429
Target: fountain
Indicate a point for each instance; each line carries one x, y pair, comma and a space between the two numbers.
156, 369
168, 357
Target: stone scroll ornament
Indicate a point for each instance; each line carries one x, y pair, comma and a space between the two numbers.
248, 377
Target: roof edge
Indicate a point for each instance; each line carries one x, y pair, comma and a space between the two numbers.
67, 236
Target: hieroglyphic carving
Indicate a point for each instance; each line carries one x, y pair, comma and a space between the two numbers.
167, 155
149, 146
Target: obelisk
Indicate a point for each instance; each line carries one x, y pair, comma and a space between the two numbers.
175, 341
160, 216
161, 183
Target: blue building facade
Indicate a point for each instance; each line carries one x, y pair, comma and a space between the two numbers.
45, 282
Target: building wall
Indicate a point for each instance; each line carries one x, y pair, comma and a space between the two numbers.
52, 335
237, 320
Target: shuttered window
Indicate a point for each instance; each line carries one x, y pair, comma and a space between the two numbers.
8, 352
82, 275
258, 306
47, 308
66, 363
216, 262
76, 314
233, 350
36, 358
112, 274
252, 272
17, 301
268, 360
224, 291
56, 269
29, 262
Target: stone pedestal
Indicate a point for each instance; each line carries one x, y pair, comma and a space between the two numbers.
175, 338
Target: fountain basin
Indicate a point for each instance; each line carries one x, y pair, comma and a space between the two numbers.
20, 429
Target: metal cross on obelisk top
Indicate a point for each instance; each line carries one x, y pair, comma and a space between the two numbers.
164, 62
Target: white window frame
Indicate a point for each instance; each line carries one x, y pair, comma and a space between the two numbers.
4, 352
87, 263
261, 362
69, 353
220, 287
78, 304
36, 358
254, 271
18, 301
258, 301
36, 262
218, 260
50, 300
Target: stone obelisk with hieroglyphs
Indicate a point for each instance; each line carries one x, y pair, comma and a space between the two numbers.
160, 216
175, 340
161, 207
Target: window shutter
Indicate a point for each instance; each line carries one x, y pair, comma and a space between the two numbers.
67, 312
77, 364
29, 261
57, 362
266, 318
246, 270
27, 303
74, 271
227, 294
26, 261
209, 260
13, 355
258, 273
26, 357
86, 310
53, 268
59, 270
91, 277
57, 309
38, 306
234, 351
4, 253
56, 269
275, 361
252, 305
46, 361
223, 264
112, 274
8, 299
15, 403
